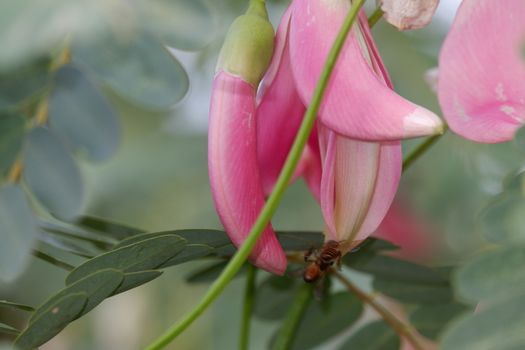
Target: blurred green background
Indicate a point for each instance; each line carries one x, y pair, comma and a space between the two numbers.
157, 179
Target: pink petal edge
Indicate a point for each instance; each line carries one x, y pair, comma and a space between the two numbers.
481, 84
357, 103
234, 171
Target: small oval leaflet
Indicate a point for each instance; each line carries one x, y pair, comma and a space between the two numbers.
52, 321
82, 115
52, 174
18, 231
141, 256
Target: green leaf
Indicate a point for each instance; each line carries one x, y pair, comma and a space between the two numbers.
184, 24
11, 138
10, 304
135, 279
97, 286
138, 68
190, 252
52, 174
273, 297
376, 335
503, 221
82, 115
145, 255
102, 242
430, 320
7, 329
109, 228
297, 241
17, 230
52, 321
64, 245
414, 293
499, 326
367, 251
212, 238
325, 319
18, 85
210, 273
492, 274
385, 267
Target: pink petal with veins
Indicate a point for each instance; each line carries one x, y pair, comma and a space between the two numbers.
481, 85
234, 171
279, 113
366, 180
357, 103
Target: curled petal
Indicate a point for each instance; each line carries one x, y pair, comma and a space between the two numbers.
366, 180
409, 14
233, 169
481, 84
327, 196
357, 103
312, 167
358, 186
279, 112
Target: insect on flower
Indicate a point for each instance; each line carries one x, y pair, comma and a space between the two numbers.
320, 260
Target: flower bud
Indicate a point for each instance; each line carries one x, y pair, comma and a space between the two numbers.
248, 46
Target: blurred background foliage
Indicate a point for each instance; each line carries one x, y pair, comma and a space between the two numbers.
103, 109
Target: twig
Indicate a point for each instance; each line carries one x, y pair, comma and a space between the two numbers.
286, 335
422, 148
54, 261
375, 17
249, 298
401, 328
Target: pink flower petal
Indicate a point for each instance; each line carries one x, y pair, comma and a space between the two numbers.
312, 167
481, 85
366, 180
357, 103
328, 149
409, 14
279, 113
233, 168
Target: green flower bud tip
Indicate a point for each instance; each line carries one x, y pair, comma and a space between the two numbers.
248, 46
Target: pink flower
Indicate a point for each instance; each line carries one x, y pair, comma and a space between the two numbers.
481, 84
354, 165
232, 157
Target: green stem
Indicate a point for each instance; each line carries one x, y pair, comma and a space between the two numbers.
275, 197
286, 335
375, 17
249, 298
422, 148
48, 258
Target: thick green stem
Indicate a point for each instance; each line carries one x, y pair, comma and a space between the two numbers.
422, 148
275, 197
286, 335
249, 297
375, 17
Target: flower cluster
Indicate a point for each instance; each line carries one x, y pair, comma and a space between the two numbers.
352, 162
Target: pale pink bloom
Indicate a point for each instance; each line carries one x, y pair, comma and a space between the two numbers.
360, 122
409, 14
481, 85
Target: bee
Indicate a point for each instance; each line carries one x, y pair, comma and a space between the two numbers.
320, 260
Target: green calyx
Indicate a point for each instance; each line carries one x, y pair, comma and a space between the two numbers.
248, 47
